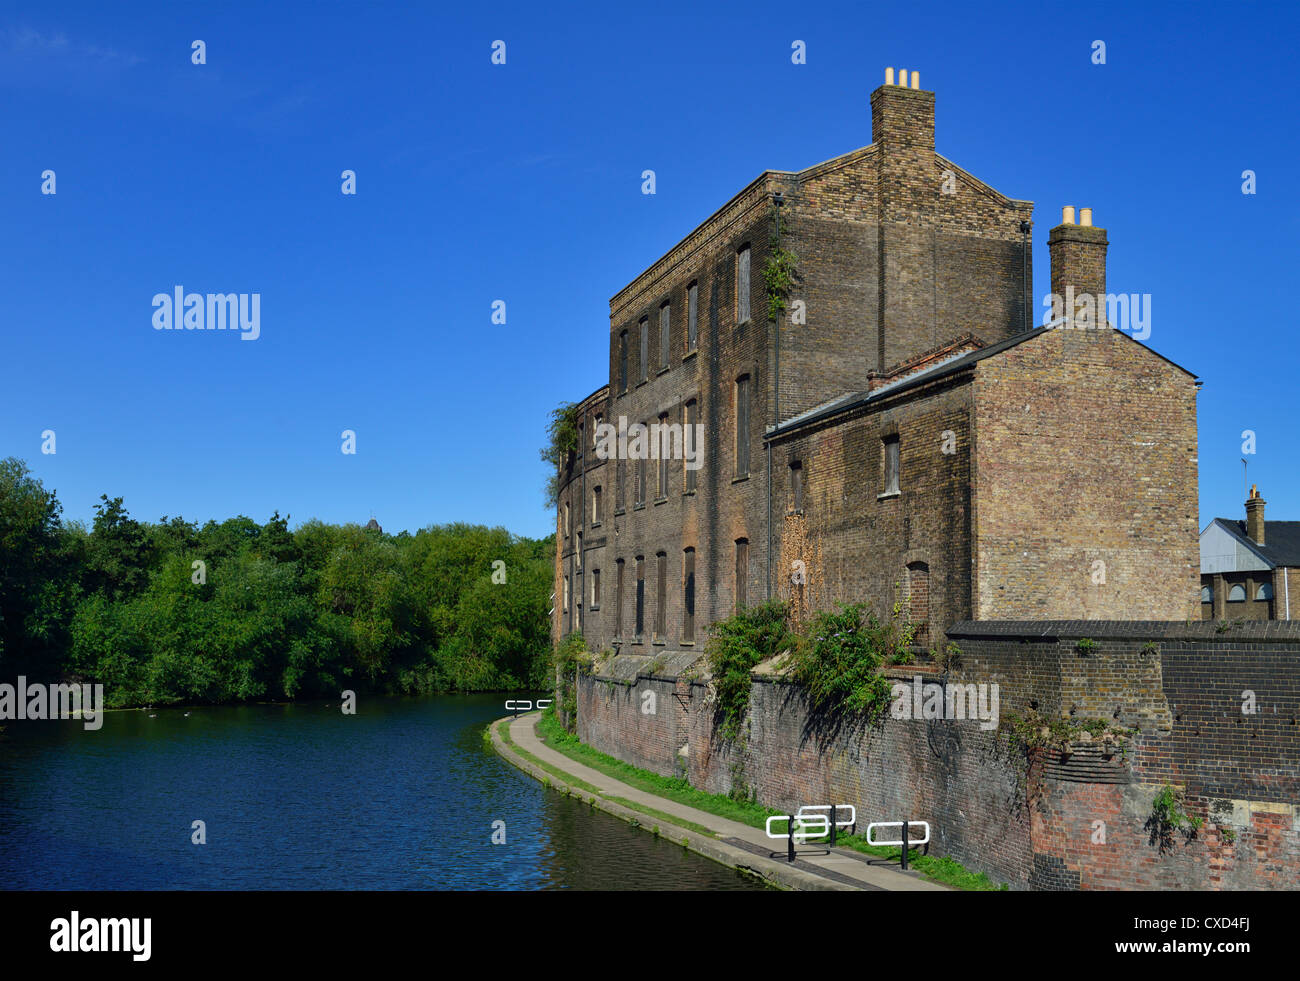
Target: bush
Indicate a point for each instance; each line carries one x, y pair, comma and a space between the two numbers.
569, 657
735, 646
840, 664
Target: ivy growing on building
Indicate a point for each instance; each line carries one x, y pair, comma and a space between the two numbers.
562, 439
779, 274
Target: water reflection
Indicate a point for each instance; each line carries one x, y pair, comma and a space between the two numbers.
400, 796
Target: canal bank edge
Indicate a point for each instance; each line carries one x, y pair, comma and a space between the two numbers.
726, 842
771, 872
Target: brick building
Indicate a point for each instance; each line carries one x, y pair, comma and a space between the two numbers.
1250, 568
898, 430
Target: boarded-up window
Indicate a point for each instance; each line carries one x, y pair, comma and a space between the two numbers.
661, 597
742, 573
742, 426
796, 485
645, 348
640, 479
640, 597
622, 362
692, 316
618, 598
597, 510
595, 589
891, 465
688, 596
742, 285
665, 319
918, 600
663, 446
692, 449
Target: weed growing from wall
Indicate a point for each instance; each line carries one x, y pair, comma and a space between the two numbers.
735, 646
562, 440
839, 663
1167, 817
779, 273
570, 656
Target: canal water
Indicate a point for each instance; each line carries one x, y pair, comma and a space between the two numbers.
402, 795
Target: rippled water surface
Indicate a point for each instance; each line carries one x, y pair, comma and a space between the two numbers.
400, 796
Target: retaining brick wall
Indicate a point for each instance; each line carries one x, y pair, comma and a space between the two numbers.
1042, 821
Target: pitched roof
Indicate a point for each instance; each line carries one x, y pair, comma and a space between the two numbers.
942, 368
1283, 538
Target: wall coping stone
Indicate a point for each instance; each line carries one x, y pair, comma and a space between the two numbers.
1280, 631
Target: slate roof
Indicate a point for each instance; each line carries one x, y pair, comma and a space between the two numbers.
853, 400
1283, 538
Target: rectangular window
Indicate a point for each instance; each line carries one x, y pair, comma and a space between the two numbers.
665, 320
622, 362
692, 316
595, 589
891, 465
661, 599
690, 417
620, 485
640, 597
742, 573
566, 594
618, 598
645, 348
596, 509
742, 285
796, 485
742, 426
595, 432
688, 596
663, 457
566, 519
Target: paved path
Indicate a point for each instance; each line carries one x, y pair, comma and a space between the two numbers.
734, 844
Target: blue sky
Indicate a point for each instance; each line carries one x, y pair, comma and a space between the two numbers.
521, 182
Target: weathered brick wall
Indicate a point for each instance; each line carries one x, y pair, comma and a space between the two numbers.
1050, 822
1085, 452
952, 774
889, 265
1182, 685
866, 540
581, 473
610, 718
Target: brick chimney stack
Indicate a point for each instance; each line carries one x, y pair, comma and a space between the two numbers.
1255, 516
902, 116
1078, 254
